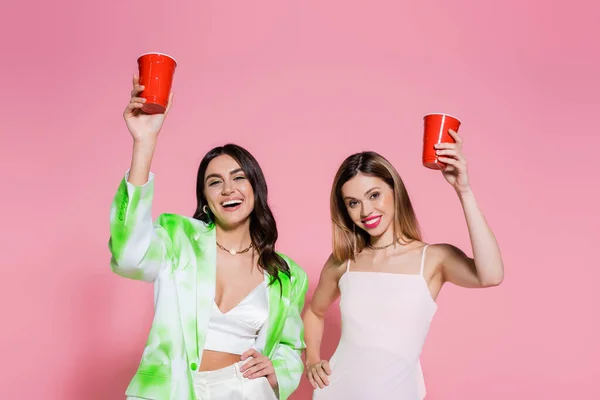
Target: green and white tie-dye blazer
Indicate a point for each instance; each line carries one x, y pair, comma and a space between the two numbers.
178, 254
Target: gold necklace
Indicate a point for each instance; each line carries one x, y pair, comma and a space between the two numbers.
381, 247
233, 252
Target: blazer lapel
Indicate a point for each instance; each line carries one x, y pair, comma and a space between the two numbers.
185, 276
206, 279
195, 280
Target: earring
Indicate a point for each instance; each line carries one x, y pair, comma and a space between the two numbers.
207, 213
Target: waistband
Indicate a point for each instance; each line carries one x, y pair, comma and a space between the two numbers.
219, 375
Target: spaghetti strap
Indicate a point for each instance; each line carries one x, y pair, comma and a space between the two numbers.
423, 260
394, 370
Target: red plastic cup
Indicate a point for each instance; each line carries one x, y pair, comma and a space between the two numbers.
436, 131
156, 75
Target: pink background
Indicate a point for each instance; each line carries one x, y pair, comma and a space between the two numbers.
302, 84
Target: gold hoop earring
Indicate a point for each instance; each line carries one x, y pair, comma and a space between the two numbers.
206, 212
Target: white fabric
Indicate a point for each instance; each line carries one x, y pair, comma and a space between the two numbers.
236, 330
385, 320
229, 384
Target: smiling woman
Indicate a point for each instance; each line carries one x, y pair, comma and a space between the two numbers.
227, 319
231, 190
386, 284
368, 191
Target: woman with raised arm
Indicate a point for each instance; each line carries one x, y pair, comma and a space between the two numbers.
227, 321
388, 279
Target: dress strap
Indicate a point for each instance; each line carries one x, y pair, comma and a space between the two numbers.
423, 260
348, 265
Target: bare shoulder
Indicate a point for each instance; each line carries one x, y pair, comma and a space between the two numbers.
333, 269
444, 250
444, 253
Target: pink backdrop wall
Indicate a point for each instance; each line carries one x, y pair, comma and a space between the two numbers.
302, 84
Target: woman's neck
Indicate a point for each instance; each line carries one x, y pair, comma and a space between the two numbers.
237, 237
384, 239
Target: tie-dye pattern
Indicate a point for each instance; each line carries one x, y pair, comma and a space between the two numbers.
178, 254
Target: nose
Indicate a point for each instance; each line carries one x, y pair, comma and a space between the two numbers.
365, 210
227, 188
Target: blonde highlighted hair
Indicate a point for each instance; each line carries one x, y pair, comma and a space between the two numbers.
349, 240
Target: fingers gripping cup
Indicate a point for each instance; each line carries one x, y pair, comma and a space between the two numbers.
156, 75
436, 131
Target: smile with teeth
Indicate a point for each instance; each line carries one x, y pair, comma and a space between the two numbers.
372, 222
231, 203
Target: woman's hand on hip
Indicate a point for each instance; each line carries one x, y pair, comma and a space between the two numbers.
258, 367
318, 373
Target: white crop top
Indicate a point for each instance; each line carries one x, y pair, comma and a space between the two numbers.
236, 331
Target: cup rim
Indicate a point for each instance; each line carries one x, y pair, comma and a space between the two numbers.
158, 53
446, 114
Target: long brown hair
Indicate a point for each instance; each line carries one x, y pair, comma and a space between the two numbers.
348, 240
263, 228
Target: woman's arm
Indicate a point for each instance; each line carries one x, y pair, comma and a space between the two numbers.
314, 322
485, 268
139, 248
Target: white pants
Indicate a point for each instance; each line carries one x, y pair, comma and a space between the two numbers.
229, 384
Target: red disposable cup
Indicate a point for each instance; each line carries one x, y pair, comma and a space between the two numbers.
436, 131
156, 75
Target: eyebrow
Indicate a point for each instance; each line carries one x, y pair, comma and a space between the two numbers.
233, 172
366, 193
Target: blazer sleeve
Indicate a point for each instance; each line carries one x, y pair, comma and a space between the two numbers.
287, 360
139, 247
